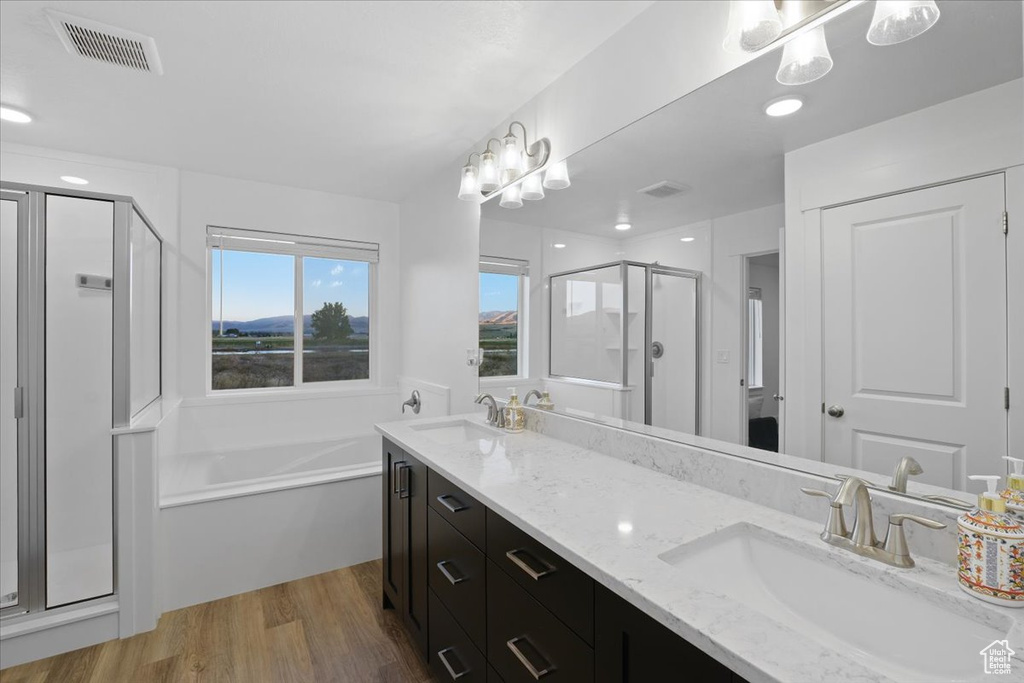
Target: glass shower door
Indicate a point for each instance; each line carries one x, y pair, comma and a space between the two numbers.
672, 387
10, 514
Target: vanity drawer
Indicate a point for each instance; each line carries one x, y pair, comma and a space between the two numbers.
525, 642
563, 589
456, 576
452, 654
459, 508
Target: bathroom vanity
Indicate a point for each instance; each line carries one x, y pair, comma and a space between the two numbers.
515, 557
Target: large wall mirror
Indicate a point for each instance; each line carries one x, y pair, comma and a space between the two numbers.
816, 274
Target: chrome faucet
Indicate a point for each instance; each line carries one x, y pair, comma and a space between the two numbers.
905, 467
531, 392
495, 415
862, 540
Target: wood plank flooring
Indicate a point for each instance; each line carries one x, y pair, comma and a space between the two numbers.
328, 627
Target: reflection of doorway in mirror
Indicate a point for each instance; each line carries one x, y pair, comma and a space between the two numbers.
760, 391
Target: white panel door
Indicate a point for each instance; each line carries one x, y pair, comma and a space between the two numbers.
914, 331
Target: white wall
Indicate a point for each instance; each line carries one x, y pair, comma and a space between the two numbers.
970, 135
307, 414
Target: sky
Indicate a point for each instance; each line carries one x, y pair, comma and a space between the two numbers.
499, 292
263, 285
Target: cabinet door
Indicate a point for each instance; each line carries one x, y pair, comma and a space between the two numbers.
631, 647
393, 460
413, 488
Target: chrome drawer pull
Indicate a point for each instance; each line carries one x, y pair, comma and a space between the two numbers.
524, 660
448, 575
513, 555
454, 507
395, 469
443, 656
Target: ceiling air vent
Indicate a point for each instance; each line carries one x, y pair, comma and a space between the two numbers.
93, 40
666, 188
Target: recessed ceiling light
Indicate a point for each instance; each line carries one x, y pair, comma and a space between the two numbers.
784, 106
625, 527
687, 239
14, 115
558, 246
74, 180
623, 226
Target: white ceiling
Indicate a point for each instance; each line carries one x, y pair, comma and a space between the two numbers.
359, 98
719, 142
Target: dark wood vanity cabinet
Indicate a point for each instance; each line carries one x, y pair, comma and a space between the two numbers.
405, 540
631, 647
485, 601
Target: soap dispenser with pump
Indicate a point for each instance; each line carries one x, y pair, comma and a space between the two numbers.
515, 417
1013, 494
990, 565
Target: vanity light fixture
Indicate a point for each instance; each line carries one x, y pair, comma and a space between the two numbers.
897, 21
558, 245
557, 177
504, 167
805, 58
783, 106
687, 239
752, 25
511, 197
74, 180
533, 187
14, 115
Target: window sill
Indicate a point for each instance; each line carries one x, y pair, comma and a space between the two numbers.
245, 396
505, 381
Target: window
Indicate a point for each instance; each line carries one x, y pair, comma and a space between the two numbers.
288, 310
755, 339
502, 285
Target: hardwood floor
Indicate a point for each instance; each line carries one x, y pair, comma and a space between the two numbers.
328, 627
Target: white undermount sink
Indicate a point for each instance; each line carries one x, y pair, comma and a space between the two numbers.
455, 431
906, 634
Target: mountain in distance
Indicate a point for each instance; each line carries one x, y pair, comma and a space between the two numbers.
284, 324
499, 317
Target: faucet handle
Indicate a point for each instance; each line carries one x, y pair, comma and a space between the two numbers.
835, 525
816, 492
896, 540
900, 517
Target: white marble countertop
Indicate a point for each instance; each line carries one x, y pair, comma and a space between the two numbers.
613, 519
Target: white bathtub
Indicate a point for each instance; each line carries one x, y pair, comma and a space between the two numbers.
233, 521
197, 477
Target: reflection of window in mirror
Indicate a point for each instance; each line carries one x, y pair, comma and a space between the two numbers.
502, 307
755, 339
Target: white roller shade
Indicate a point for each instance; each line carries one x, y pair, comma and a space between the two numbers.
503, 265
235, 239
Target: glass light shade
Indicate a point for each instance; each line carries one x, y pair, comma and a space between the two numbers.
896, 21
557, 176
469, 189
752, 25
487, 176
533, 187
805, 59
511, 198
511, 157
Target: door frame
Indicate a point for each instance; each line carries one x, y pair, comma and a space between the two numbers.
744, 387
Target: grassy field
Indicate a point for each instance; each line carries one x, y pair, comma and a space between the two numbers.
500, 347
236, 367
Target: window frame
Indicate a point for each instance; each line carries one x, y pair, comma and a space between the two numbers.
501, 265
299, 247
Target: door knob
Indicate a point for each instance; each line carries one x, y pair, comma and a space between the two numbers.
836, 411
778, 398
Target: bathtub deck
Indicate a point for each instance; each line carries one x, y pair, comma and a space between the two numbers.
328, 627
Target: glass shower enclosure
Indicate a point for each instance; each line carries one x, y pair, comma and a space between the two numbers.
631, 329
80, 297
